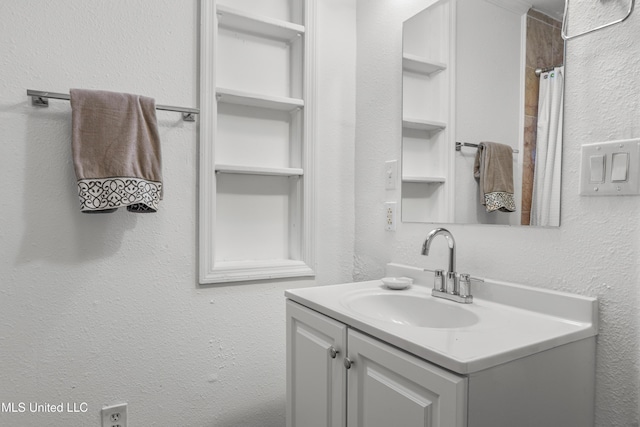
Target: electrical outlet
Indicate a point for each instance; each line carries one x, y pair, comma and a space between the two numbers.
114, 416
390, 174
390, 216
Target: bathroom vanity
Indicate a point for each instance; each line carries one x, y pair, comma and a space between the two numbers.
360, 354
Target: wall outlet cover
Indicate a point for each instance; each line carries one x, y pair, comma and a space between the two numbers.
114, 416
390, 216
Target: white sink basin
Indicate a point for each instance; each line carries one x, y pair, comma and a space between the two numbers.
411, 310
506, 321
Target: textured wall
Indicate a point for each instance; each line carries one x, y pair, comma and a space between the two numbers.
106, 308
595, 251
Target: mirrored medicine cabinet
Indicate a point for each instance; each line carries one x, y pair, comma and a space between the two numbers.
469, 76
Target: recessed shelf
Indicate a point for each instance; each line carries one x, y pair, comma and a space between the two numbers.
417, 64
256, 170
249, 99
428, 125
425, 179
256, 24
256, 221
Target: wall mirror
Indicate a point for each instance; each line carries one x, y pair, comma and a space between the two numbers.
476, 71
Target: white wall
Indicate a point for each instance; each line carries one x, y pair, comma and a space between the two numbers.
106, 308
595, 251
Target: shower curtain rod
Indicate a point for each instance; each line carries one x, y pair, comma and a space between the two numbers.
459, 146
41, 99
539, 71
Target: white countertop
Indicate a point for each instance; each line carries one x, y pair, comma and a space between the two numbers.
514, 321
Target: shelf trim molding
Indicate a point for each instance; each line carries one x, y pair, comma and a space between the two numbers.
208, 110
239, 271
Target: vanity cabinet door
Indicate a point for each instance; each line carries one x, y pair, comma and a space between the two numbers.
316, 377
388, 387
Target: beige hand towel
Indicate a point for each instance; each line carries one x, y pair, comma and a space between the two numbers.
116, 151
493, 169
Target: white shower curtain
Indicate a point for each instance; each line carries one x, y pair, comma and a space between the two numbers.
545, 202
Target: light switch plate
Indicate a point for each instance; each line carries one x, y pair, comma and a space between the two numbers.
608, 149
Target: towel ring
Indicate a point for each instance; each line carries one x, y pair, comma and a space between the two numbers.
566, 13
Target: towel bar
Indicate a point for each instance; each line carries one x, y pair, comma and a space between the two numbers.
41, 99
459, 146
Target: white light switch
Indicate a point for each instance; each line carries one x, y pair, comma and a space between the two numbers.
596, 166
610, 168
619, 167
390, 174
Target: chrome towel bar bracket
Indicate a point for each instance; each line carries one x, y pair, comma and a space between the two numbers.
41, 99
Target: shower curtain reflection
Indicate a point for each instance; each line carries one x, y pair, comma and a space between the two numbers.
545, 203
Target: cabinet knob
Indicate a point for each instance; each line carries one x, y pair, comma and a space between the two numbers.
348, 362
333, 352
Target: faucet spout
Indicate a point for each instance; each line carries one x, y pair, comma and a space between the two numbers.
450, 241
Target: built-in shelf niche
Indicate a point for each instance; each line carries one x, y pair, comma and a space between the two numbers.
258, 137
256, 184
259, 57
256, 217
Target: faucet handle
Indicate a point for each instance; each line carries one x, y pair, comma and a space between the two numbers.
465, 285
438, 280
452, 283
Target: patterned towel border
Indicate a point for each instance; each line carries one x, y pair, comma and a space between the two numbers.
108, 194
501, 201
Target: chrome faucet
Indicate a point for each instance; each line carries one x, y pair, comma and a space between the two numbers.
452, 290
450, 241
